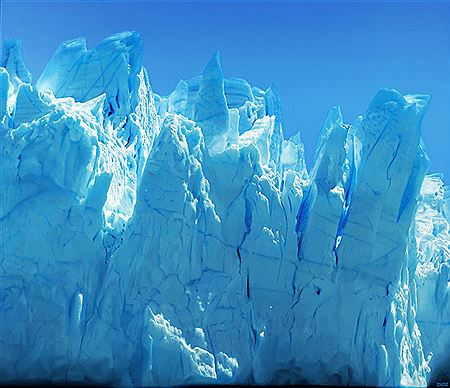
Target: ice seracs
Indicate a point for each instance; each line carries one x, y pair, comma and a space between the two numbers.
162, 240
432, 241
113, 70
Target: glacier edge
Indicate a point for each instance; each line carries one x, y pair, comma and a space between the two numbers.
164, 240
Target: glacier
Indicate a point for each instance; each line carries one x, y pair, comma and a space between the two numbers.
180, 239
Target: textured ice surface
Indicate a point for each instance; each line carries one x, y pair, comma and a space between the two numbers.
432, 235
151, 240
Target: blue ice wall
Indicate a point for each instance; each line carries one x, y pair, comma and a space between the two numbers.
161, 240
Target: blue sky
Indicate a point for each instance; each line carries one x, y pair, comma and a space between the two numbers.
317, 54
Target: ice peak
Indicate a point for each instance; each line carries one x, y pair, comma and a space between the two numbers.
210, 107
114, 67
12, 61
384, 96
214, 67
130, 39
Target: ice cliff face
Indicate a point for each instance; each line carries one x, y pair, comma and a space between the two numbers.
151, 240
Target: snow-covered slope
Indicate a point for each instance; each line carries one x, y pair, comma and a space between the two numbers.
150, 240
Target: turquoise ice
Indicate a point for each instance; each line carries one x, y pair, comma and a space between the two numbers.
161, 240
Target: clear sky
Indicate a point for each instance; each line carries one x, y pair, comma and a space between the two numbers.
317, 54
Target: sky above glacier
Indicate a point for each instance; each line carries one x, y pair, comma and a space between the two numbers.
317, 54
